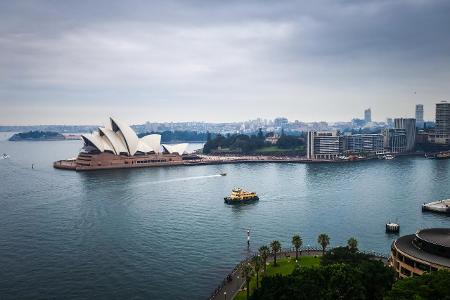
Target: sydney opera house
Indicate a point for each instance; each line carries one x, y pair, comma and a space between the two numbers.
117, 146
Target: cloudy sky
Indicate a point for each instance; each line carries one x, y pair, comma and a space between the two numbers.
77, 62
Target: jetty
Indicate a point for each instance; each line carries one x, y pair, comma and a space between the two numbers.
442, 206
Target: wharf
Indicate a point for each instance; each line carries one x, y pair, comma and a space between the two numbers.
442, 206
202, 160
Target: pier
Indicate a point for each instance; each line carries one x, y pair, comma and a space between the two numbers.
442, 206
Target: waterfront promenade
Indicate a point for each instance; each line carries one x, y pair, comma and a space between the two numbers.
233, 282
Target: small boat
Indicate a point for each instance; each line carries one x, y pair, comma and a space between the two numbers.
239, 196
442, 206
5, 156
389, 157
223, 174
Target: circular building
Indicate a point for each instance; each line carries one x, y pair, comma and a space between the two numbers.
427, 250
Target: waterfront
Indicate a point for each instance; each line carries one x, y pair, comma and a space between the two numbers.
165, 233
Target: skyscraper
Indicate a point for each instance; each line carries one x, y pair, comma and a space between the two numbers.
368, 115
419, 115
442, 130
409, 125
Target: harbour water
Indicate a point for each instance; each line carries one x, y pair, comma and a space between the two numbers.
165, 233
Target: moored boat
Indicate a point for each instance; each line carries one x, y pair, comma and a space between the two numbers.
239, 196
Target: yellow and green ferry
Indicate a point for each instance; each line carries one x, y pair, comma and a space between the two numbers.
239, 196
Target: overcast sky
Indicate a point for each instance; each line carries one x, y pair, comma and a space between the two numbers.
78, 62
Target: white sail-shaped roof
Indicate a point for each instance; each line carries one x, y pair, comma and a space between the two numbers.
153, 141
113, 138
96, 140
119, 139
127, 134
143, 147
176, 148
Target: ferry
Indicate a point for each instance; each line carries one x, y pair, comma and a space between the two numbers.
238, 196
442, 206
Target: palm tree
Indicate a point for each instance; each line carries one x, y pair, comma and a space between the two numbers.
352, 244
276, 247
256, 260
297, 243
264, 251
324, 241
246, 273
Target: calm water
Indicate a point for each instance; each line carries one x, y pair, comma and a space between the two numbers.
166, 233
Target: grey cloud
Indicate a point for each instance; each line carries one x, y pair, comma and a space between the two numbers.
279, 56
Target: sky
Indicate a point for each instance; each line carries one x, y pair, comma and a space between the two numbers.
79, 62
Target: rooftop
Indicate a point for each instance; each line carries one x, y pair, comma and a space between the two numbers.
405, 244
436, 236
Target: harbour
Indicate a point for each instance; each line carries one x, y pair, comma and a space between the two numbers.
134, 223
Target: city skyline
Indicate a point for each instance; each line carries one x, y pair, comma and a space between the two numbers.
74, 63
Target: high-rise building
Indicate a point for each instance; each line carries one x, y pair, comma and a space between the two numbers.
368, 115
395, 140
442, 129
419, 112
323, 144
419, 115
409, 125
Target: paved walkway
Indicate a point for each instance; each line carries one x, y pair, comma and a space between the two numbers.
232, 285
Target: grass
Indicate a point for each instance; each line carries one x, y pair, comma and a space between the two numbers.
284, 266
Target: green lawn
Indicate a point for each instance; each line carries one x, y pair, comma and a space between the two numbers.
284, 266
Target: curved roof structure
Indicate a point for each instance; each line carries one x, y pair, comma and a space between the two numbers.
120, 139
113, 138
154, 141
129, 137
176, 148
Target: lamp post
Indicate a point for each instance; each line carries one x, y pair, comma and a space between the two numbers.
225, 295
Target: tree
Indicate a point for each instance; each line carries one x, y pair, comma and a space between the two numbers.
264, 251
324, 241
297, 243
434, 285
352, 244
276, 247
339, 255
256, 260
246, 273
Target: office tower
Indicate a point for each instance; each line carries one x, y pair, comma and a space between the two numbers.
419, 115
368, 115
409, 125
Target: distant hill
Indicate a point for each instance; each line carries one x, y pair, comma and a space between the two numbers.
37, 136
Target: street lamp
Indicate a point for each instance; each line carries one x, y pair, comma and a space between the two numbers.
225, 295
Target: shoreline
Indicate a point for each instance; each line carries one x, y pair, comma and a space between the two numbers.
218, 160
